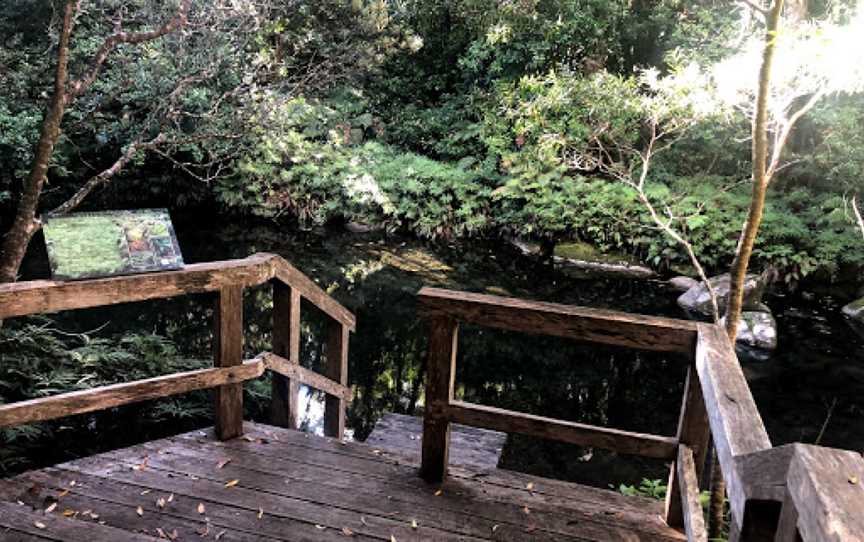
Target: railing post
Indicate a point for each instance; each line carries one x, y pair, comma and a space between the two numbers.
693, 431
228, 334
337, 370
286, 343
440, 371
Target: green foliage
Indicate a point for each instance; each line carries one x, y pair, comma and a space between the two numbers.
653, 489
310, 161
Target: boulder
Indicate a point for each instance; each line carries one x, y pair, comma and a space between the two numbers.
855, 311
757, 330
682, 284
697, 300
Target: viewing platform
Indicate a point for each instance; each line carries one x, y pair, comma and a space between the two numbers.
245, 481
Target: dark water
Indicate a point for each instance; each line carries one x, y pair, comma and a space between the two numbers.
816, 376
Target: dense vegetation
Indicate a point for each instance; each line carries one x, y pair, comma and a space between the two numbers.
443, 119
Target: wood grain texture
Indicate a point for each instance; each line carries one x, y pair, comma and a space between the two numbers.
282, 366
20, 523
440, 374
471, 447
736, 426
787, 525
43, 296
693, 430
827, 487
298, 487
624, 442
287, 273
46, 296
579, 323
228, 339
336, 370
285, 387
694, 521
80, 402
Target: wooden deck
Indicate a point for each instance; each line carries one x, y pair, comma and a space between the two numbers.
279, 484
470, 447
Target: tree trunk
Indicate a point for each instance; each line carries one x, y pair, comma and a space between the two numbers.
748, 235
25, 223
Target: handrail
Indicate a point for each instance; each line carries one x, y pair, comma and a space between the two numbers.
46, 296
227, 278
786, 493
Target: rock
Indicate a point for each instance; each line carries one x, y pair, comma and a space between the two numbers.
359, 227
855, 311
587, 261
697, 300
682, 284
757, 330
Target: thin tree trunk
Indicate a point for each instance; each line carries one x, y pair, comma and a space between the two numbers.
748, 236
25, 224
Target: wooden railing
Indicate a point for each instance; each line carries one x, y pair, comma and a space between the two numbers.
777, 494
227, 279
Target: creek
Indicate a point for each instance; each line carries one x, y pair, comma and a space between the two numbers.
811, 388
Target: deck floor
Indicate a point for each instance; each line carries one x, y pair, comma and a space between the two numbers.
277, 484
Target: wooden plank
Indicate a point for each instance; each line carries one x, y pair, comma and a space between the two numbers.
80, 402
694, 521
286, 344
471, 447
43, 296
440, 374
228, 338
290, 275
336, 369
580, 323
787, 525
736, 426
117, 502
625, 442
693, 430
451, 513
296, 454
298, 373
827, 487
22, 519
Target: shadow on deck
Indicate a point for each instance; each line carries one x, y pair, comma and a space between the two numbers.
295, 486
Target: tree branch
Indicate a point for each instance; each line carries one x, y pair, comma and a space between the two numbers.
857, 212
79, 86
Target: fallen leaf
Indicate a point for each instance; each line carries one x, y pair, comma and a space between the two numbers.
201, 508
72, 483
170, 497
51, 507
526, 510
439, 492
161, 533
494, 527
363, 521
320, 527
139, 511
63, 493
205, 530
94, 516
146, 491
173, 534
414, 524
392, 538
69, 512
347, 532
853, 480
219, 535
221, 464
530, 486
39, 524
232, 483
260, 512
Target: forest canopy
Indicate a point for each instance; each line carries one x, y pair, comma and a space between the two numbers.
450, 119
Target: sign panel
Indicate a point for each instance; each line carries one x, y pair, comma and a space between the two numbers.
88, 245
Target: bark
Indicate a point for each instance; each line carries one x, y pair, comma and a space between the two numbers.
25, 223
761, 179
858, 218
